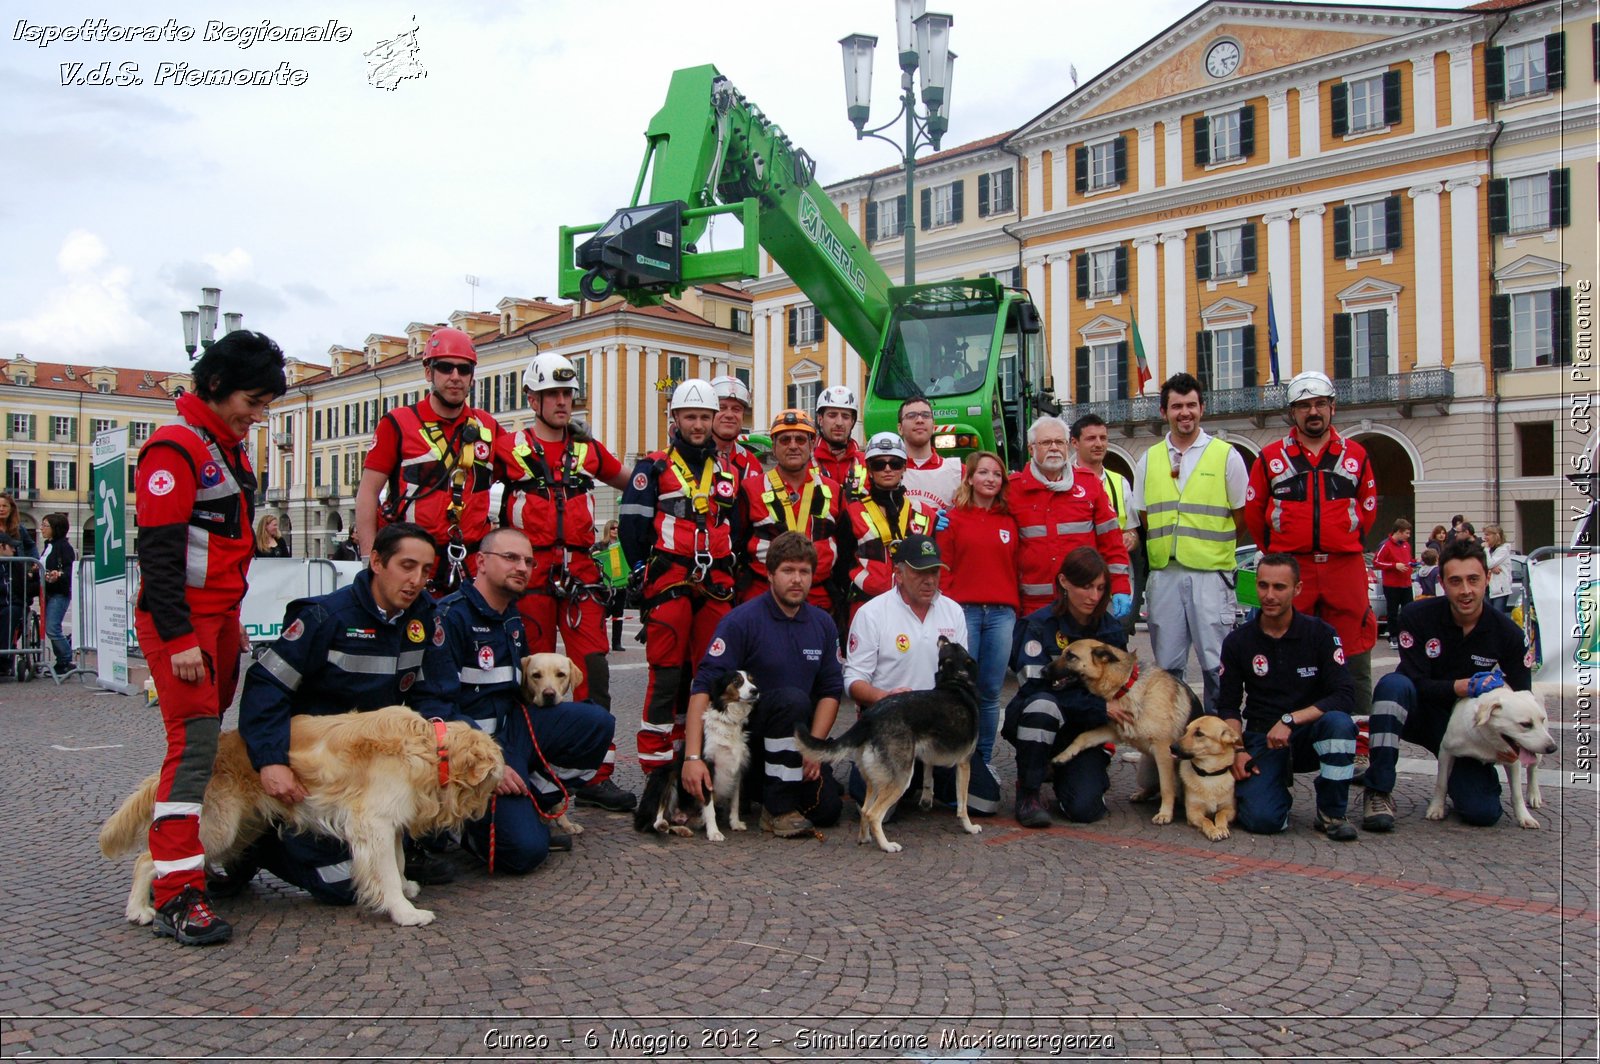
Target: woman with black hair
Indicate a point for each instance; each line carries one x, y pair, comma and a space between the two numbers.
195, 487
56, 560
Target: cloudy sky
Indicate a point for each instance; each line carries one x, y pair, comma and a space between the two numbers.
334, 209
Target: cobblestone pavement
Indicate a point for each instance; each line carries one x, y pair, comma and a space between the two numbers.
1114, 940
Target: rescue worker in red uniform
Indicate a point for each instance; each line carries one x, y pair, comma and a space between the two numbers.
1312, 494
882, 519
838, 455
549, 470
193, 509
793, 496
733, 405
680, 521
1058, 509
435, 459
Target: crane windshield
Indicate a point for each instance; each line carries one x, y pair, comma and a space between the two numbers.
937, 350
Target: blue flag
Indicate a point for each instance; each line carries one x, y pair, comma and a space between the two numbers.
1272, 335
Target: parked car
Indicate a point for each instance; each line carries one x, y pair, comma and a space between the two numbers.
1245, 588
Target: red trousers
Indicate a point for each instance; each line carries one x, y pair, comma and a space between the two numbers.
192, 715
677, 633
1336, 590
582, 626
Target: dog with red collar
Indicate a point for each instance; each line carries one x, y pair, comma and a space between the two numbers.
1146, 708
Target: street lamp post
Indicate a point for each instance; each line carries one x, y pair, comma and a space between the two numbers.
200, 325
923, 39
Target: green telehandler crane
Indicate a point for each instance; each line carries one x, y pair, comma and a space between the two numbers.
974, 348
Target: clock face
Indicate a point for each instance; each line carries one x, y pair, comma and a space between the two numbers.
1222, 59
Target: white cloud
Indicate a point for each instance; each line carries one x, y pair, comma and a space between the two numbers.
89, 314
231, 266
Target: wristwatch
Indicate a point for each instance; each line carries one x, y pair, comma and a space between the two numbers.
1287, 720
693, 757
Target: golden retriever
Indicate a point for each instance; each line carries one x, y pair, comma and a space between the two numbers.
1205, 767
369, 776
1160, 705
548, 680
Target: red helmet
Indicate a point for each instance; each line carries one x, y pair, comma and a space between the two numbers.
450, 343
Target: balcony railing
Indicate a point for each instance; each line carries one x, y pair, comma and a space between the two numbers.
1399, 390
277, 494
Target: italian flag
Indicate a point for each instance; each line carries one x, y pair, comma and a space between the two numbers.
1138, 355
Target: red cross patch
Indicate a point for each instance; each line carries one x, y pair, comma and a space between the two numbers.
1434, 648
160, 483
1258, 664
486, 658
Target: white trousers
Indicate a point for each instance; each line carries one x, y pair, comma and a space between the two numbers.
1190, 608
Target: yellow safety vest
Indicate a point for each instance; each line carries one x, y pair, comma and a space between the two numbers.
1196, 526
1116, 486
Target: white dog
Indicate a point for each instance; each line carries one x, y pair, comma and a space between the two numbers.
1483, 728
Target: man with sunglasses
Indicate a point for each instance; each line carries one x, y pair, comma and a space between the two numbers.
930, 480
887, 515
434, 458
1059, 509
793, 496
486, 639
549, 470
1312, 494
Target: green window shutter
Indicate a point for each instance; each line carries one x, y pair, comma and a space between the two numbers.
1119, 161
1339, 109
1343, 346
33, 427
1561, 196
1561, 326
1202, 140
1203, 352
1248, 354
872, 221
1247, 248
1500, 332
1202, 255
1247, 130
1341, 232
926, 199
1391, 223
983, 195
1499, 206
1081, 372
72, 430
1494, 74
1391, 97
956, 196
1555, 62
1083, 275
1080, 169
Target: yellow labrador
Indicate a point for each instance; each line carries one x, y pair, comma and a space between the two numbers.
548, 680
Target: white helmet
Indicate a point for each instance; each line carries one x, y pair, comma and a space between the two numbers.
730, 387
1310, 385
547, 372
886, 445
839, 398
693, 394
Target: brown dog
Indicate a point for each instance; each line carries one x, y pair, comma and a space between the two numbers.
548, 680
1205, 767
1160, 706
369, 776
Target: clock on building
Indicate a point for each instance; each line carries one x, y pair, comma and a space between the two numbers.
1222, 59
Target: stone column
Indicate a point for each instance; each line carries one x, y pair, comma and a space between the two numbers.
1313, 351
1470, 356
758, 352
652, 423
1035, 164
1147, 157
1426, 275
1282, 274
1147, 269
1173, 130
616, 394
1060, 319
1424, 105
638, 399
1310, 121
1278, 127
1461, 85
1175, 355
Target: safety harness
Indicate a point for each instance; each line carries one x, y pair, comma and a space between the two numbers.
456, 457
537, 476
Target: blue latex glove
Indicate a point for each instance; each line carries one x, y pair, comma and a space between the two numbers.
941, 521
1482, 683
1121, 606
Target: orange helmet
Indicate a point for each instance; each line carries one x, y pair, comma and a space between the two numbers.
450, 343
792, 420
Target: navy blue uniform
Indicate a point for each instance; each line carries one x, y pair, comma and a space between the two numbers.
1041, 721
795, 663
338, 653
569, 740
1415, 701
1261, 679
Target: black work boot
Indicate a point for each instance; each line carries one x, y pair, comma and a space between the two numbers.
190, 920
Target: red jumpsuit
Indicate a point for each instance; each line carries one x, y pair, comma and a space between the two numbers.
771, 508
193, 510
420, 452
1320, 511
848, 470
1054, 519
679, 516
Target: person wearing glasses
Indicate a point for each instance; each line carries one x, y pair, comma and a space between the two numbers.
929, 479
550, 470
485, 635
1312, 494
887, 515
793, 496
1059, 509
430, 463
1190, 490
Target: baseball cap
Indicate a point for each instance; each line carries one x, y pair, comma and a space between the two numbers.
919, 552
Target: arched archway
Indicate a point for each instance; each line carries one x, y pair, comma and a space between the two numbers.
1396, 471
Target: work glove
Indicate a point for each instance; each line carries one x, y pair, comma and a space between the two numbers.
941, 521
1121, 606
1482, 683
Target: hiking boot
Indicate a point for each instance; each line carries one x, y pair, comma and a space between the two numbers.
428, 869
608, 796
1377, 812
790, 825
189, 918
1336, 828
1358, 769
1031, 810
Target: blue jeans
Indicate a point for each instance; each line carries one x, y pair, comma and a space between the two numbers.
989, 640
1326, 746
55, 611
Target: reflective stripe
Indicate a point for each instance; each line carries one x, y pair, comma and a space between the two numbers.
1335, 746
280, 670
500, 674
1194, 526
1219, 535
1380, 739
488, 724
1044, 707
634, 509
1337, 773
980, 805
1207, 511
194, 562
1123, 569
187, 864
335, 873
165, 809
1032, 672
1107, 526
1035, 735
410, 659
1032, 531
374, 665
1036, 589
780, 745
664, 729
1075, 528
784, 773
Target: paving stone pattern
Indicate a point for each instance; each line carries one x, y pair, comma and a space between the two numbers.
1117, 940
